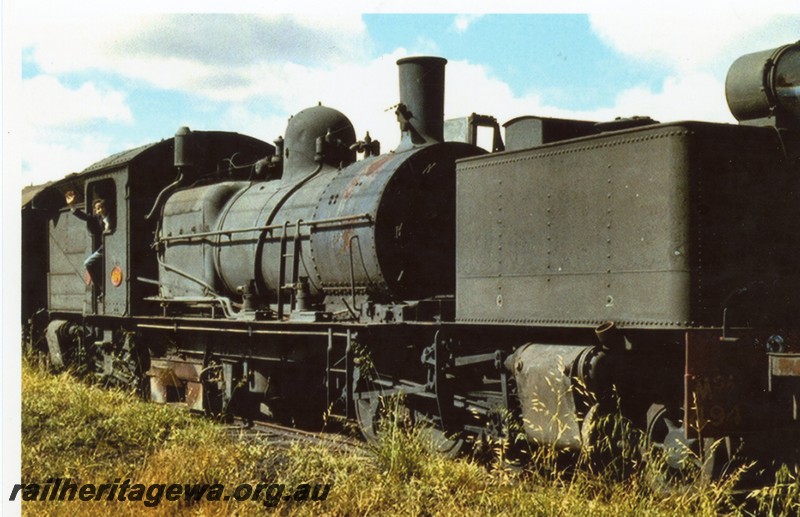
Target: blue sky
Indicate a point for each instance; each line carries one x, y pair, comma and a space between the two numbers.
549, 53
94, 84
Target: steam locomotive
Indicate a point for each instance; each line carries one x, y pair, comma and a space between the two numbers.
575, 269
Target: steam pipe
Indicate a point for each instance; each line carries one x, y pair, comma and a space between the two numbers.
182, 161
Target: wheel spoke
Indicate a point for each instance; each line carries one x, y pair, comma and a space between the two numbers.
666, 436
440, 441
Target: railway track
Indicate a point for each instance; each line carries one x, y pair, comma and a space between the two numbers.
287, 436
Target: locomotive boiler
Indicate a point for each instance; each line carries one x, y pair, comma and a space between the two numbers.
327, 231
583, 269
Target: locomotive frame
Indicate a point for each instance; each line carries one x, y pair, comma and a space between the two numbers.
585, 268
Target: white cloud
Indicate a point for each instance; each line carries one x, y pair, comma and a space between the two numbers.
56, 154
48, 103
696, 47
54, 138
698, 96
364, 91
686, 41
486, 94
244, 64
227, 59
223, 57
462, 22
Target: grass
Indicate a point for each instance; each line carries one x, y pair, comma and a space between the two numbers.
91, 435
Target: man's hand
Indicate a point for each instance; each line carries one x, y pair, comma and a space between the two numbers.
70, 197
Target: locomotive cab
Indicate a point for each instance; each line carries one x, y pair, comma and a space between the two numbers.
70, 286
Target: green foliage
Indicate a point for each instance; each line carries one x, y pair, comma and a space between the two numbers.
71, 429
780, 498
95, 436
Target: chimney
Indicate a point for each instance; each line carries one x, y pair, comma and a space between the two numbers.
421, 109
